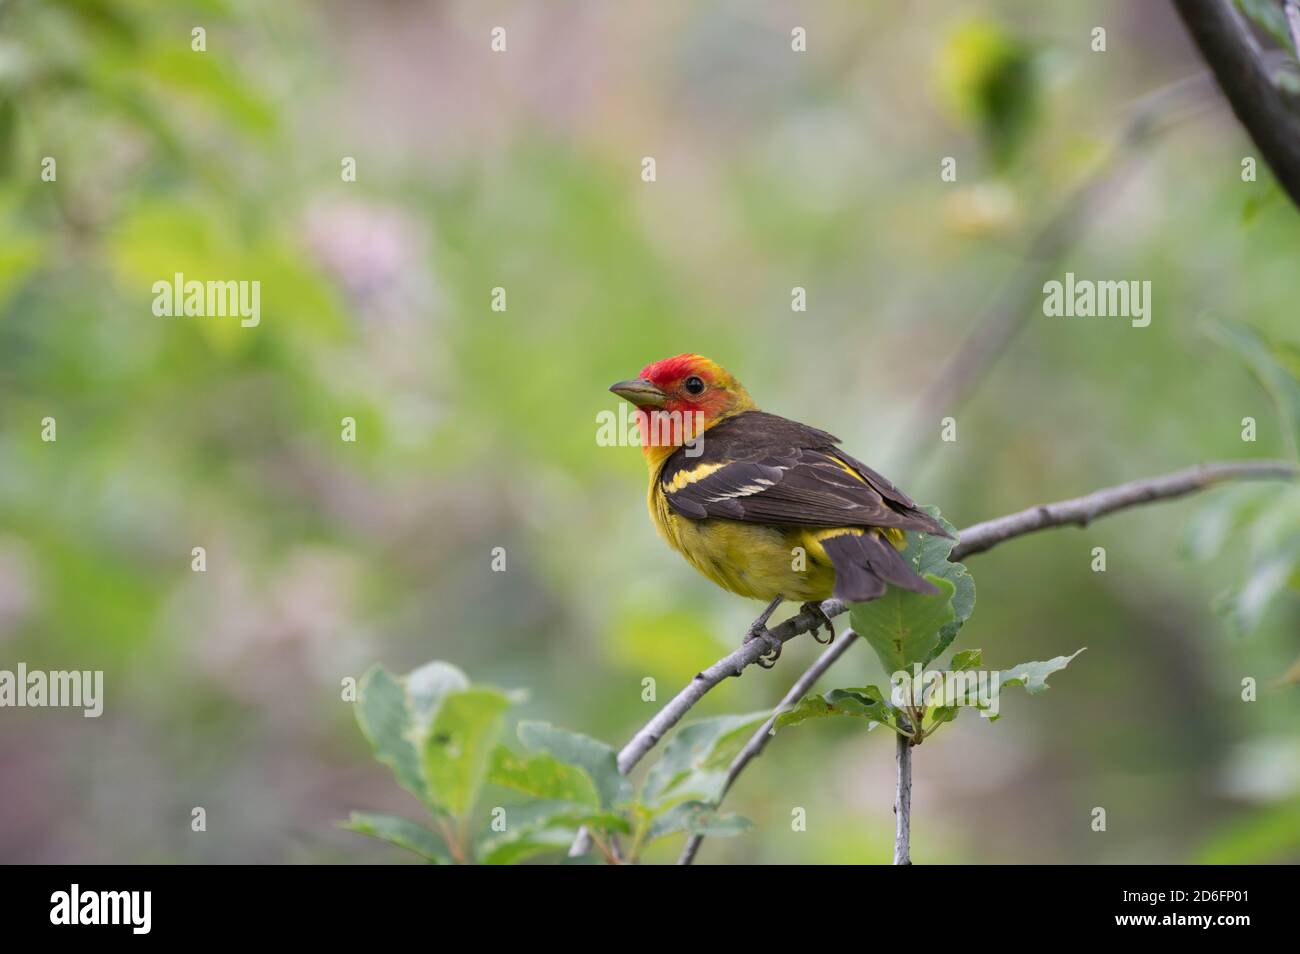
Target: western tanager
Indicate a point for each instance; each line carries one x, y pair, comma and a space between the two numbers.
764, 506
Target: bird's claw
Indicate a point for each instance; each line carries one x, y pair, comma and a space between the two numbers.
758, 630
822, 620
768, 659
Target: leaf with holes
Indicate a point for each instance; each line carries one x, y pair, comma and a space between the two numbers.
459, 745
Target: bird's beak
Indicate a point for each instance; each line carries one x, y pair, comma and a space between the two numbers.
640, 392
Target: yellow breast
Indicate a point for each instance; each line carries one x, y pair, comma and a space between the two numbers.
749, 559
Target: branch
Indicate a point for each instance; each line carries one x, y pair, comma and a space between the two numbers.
1260, 106
903, 801
758, 741
976, 539
730, 665
1081, 511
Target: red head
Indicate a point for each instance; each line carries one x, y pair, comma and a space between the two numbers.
681, 396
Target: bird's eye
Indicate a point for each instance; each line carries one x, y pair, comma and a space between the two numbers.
693, 385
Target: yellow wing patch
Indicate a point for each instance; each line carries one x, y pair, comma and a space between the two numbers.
686, 477
892, 534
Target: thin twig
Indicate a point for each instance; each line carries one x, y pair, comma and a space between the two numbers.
730, 665
758, 741
1079, 511
903, 801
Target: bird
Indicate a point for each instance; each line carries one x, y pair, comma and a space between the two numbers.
763, 506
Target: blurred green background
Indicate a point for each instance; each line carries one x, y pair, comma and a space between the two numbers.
476, 428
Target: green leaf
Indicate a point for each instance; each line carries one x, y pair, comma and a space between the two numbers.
1220, 517
1270, 364
938, 715
963, 661
384, 715
1266, 581
1268, 520
695, 760
931, 557
1033, 675
866, 702
20, 256
1260, 200
905, 627
595, 758
459, 746
697, 818
514, 848
434, 731
1265, 834
207, 82
539, 828
1268, 15
8, 129
990, 77
543, 776
401, 832
928, 555
427, 686
1274, 556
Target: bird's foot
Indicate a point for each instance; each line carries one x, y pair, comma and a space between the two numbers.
822, 620
759, 630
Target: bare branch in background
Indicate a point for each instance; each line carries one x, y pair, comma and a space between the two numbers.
1079, 511
992, 333
1239, 67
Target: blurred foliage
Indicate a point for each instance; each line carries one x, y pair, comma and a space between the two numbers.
1270, 836
988, 77
475, 428
1266, 520
438, 733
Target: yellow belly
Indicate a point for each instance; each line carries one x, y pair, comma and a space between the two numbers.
751, 559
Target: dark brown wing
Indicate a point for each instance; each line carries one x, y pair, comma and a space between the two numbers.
761, 468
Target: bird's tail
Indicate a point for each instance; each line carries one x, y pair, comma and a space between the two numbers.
864, 562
